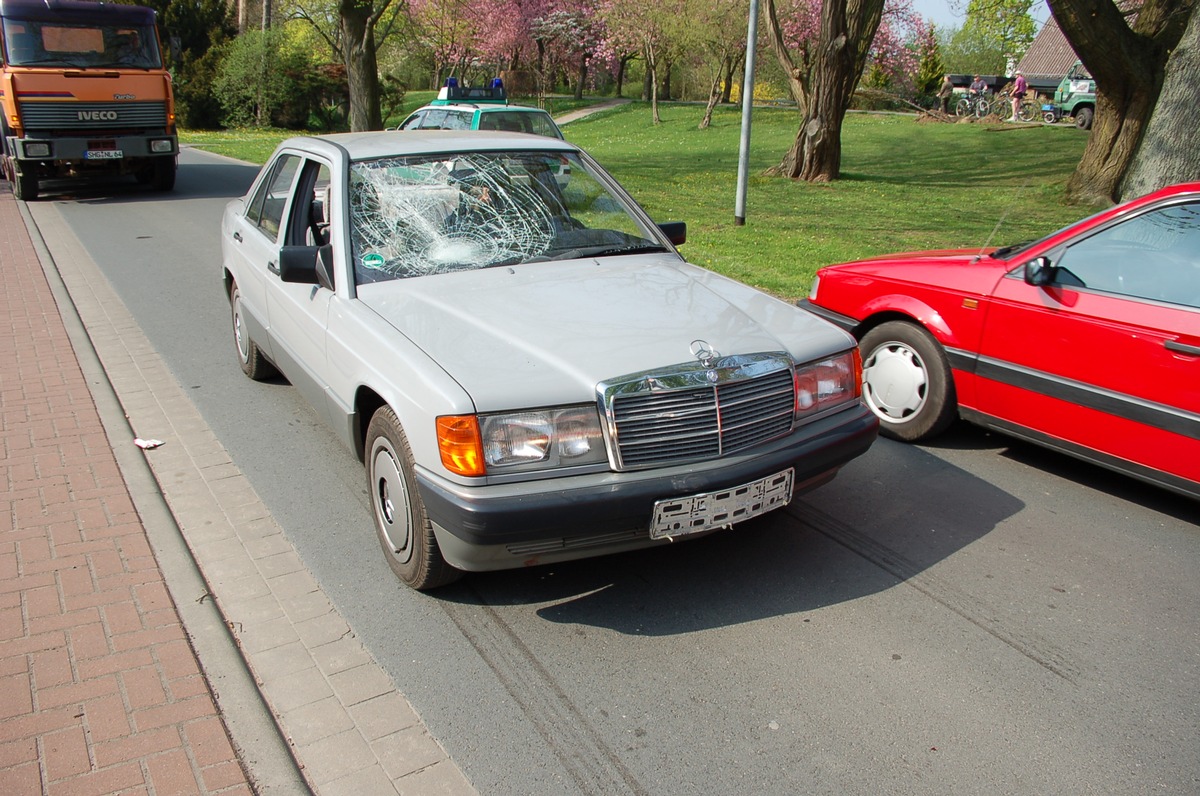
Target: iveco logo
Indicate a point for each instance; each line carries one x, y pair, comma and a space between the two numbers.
97, 116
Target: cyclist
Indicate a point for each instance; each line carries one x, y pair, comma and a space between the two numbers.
1020, 86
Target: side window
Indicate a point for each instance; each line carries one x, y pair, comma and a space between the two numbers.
543, 125
1155, 255
266, 208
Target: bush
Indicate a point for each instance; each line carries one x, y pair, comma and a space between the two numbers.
260, 81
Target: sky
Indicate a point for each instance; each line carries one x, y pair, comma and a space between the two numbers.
950, 13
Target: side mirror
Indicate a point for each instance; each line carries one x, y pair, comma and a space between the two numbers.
325, 266
298, 265
676, 232
1040, 272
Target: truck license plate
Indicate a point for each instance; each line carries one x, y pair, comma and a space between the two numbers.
103, 154
698, 513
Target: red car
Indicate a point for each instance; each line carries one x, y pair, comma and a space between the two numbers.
1086, 341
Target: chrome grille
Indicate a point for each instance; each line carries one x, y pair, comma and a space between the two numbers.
89, 115
682, 414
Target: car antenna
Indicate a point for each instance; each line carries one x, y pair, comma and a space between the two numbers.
999, 222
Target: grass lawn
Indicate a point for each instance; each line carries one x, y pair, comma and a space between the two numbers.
905, 185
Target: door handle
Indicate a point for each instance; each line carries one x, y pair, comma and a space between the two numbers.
273, 267
1183, 348
237, 236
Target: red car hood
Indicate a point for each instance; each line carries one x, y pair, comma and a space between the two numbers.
970, 271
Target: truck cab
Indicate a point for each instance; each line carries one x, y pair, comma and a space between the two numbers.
84, 92
1076, 96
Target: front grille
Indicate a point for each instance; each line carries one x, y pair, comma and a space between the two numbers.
92, 116
683, 415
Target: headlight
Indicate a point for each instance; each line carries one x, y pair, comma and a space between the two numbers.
828, 383
37, 150
540, 439
161, 145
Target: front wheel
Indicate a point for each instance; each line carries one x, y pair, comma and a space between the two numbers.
962, 107
25, 187
404, 530
1028, 111
907, 381
250, 357
1083, 118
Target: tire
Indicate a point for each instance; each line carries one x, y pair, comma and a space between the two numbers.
1083, 118
962, 107
1028, 111
404, 530
1049, 117
253, 363
163, 178
25, 187
907, 381
982, 109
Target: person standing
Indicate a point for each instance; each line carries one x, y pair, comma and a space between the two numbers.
1020, 86
945, 93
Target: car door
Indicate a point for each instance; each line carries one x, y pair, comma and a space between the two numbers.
1105, 359
254, 243
299, 312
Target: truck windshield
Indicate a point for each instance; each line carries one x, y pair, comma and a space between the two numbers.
80, 45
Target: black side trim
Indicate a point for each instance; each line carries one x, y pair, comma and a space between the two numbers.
837, 319
1158, 478
1148, 413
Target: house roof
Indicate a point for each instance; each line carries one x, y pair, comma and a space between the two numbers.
1050, 55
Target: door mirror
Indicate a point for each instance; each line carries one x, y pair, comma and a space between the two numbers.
676, 231
298, 264
1040, 272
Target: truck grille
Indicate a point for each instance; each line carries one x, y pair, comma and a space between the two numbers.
92, 116
683, 415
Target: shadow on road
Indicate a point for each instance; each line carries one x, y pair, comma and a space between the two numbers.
208, 180
854, 537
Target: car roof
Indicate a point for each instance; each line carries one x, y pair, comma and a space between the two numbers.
482, 107
368, 146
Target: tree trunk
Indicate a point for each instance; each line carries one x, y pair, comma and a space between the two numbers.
582, 78
714, 96
1128, 63
362, 72
731, 65
1168, 153
797, 77
847, 29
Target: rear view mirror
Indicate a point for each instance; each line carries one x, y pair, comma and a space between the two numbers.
676, 232
307, 265
1039, 272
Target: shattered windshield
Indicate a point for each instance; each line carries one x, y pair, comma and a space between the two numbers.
431, 214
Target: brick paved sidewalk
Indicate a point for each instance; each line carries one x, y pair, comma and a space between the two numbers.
100, 691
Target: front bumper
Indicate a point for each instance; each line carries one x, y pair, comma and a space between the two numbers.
500, 526
77, 149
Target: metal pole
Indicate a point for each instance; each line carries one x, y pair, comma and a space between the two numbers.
739, 210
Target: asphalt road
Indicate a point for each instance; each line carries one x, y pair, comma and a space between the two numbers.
976, 616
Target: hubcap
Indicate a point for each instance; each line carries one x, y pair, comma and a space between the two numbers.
390, 497
896, 382
238, 336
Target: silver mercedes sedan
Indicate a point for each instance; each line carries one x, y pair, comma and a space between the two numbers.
526, 366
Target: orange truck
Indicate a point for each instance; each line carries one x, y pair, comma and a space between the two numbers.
85, 93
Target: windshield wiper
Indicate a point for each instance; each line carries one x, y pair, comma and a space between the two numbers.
646, 248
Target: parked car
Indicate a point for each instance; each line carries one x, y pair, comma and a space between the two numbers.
479, 108
1086, 341
527, 367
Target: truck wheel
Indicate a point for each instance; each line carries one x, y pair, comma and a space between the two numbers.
25, 187
1083, 118
164, 174
403, 527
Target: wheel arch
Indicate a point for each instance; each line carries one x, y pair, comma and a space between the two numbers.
366, 403
905, 308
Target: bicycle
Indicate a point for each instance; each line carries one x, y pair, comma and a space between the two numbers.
972, 105
1027, 111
